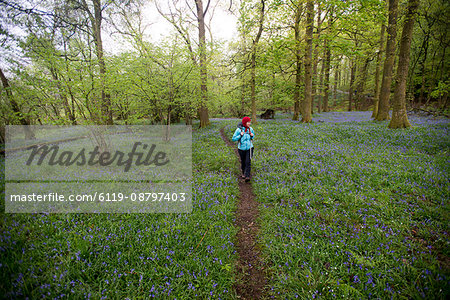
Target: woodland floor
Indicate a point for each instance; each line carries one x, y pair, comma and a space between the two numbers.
250, 267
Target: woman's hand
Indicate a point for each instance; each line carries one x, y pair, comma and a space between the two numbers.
251, 133
242, 133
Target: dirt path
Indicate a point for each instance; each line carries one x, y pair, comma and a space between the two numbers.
250, 268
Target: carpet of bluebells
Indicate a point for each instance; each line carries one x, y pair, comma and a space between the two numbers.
350, 208
136, 256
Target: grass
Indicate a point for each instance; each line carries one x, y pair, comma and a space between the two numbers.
353, 209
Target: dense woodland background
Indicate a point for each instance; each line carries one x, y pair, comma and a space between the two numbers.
301, 56
345, 207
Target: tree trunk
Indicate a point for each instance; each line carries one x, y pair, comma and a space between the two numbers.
383, 102
298, 62
104, 116
29, 134
433, 82
70, 109
443, 60
423, 70
315, 85
253, 86
187, 114
253, 62
242, 110
399, 116
63, 97
306, 115
361, 83
377, 72
326, 85
340, 72
203, 109
320, 89
272, 90
352, 81
444, 100
336, 81
72, 98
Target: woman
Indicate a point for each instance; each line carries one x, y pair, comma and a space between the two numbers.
244, 135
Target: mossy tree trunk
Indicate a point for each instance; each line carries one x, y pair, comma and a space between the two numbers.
203, 107
306, 113
383, 102
399, 116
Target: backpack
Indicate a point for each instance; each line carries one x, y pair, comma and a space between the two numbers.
252, 149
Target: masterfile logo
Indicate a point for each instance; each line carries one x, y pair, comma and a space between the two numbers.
111, 169
105, 158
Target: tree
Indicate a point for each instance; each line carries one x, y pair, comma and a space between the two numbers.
383, 102
377, 71
399, 116
327, 63
15, 107
362, 78
203, 109
352, 82
429, 53
253, 61
336, 80
175, 17
306, 113
102, 112
298, 63
43, 40
41, 45
316, 86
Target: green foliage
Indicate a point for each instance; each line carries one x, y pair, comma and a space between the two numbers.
428, 74
154, 80
441, 89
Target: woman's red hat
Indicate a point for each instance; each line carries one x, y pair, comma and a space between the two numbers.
245, 120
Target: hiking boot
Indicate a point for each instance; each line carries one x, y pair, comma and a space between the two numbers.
247, 179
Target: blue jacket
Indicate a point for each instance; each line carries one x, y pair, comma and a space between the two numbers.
245, 142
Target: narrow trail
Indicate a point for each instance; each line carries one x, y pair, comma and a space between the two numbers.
251, 271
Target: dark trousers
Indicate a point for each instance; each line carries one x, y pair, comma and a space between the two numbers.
245, 162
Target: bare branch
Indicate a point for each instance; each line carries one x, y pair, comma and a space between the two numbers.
207, 6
